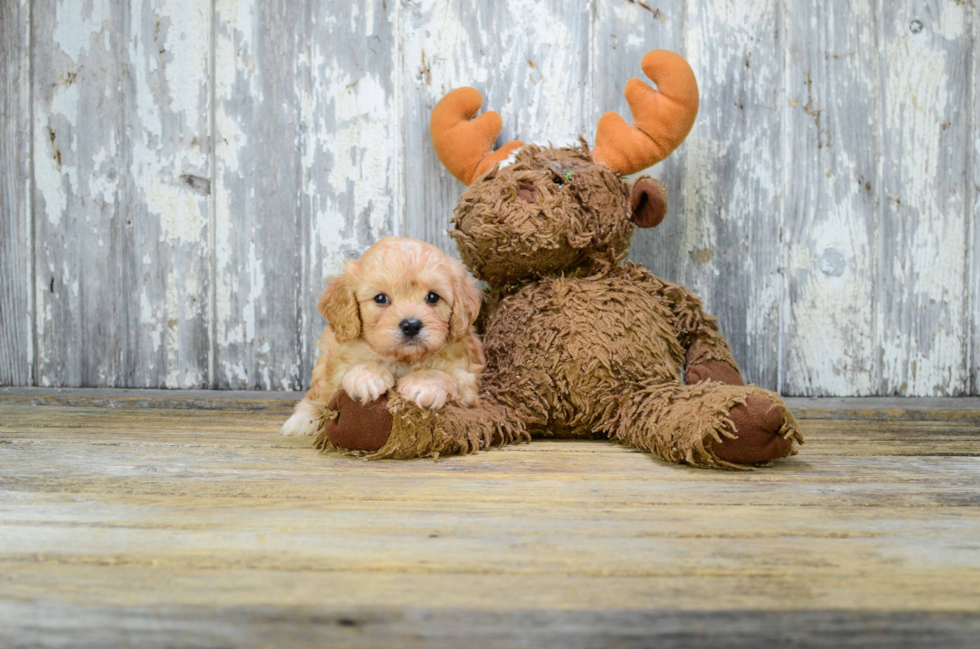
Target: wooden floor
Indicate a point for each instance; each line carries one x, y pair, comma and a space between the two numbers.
149, 520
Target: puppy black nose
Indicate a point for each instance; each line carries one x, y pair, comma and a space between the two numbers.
410, 327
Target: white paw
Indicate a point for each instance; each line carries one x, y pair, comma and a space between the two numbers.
424, 395
365, 384
300, 423
469, 395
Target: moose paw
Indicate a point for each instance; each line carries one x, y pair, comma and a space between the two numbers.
756, 428
357, 426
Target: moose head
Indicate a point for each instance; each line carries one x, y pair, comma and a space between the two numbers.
533, 211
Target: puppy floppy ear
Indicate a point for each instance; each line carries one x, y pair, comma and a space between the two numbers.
466, 303
338, 306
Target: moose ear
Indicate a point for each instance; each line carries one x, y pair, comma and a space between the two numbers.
338, 306
466, 303
648, 198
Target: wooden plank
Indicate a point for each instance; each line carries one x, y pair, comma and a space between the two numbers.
872, 433
840, 408
877, 408
530, 61
223, 432
511, 545
120, 165
351, 166
107, 512
975, 247
16, 230
166, 150
966, 409
78, 121
833, 190
280, 400
315, 624
622, 33
734, 157
260, 237
922, 319
547, 480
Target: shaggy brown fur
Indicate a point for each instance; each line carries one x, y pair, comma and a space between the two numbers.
579, 343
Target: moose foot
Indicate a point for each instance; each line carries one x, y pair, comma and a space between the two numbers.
357, 427
756, 429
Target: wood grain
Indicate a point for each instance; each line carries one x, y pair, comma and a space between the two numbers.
193, 172
530, 62
966, 409
734, 160
206, 528
833, 194
16, 235
975, 220
251, 626
260, 237
120, 165
922, 292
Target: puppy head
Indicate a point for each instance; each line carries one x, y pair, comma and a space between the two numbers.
405, 298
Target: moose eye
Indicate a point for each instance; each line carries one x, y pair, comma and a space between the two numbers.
431, 298
381, 299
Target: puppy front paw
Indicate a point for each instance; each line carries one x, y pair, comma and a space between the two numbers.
366, 384
301, 423
428, 389
424, 394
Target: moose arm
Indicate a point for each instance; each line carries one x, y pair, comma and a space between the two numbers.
707, 355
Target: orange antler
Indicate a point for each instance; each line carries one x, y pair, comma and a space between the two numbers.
464, 145
663, 117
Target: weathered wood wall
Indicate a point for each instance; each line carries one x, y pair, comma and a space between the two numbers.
177, 177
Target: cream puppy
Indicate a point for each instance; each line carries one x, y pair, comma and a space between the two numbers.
400, 316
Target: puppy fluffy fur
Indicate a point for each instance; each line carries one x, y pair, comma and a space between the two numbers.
364, 350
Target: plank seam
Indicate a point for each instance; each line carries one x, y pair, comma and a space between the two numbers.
877, 361
593, 13
784, 239
32, 235
400, 216
212, 201
307, 254
969, 288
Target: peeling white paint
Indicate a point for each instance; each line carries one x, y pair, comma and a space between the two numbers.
778, 228
76, 27
922, 341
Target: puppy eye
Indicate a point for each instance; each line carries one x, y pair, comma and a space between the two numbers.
381, 299
431, 298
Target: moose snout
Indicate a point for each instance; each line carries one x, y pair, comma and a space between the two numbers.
410, 327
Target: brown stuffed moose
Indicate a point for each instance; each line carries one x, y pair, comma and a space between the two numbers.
578, 343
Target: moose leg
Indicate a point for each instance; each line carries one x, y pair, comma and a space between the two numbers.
392, 427
708, 424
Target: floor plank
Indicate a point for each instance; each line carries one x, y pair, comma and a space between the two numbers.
124, 524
